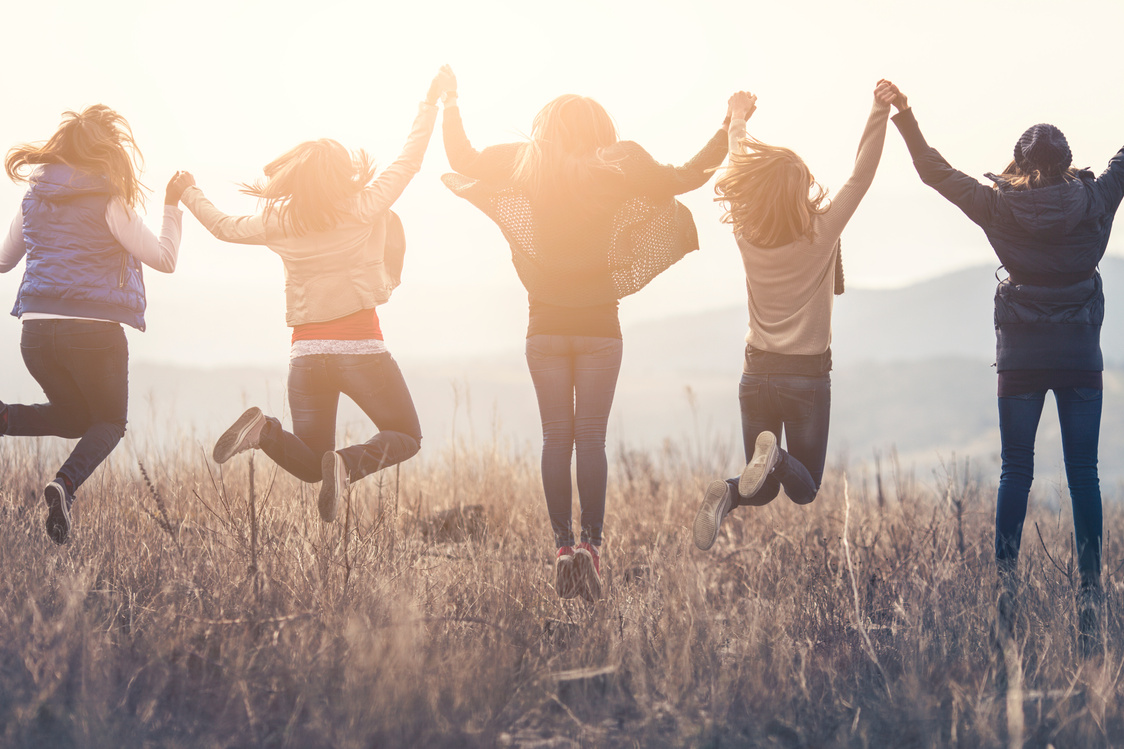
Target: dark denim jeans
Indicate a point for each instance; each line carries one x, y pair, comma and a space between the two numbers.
1079, 412
575, 379
376, 385
83, 368
801, 406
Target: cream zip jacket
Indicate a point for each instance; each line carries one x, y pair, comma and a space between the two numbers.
354, 266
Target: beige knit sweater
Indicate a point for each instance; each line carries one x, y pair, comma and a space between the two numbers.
791, 287
351, 267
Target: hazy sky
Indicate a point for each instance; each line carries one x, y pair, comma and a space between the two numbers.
221, 88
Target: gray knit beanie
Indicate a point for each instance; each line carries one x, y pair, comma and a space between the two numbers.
1043, 148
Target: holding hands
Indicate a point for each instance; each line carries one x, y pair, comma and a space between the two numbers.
887, 93
179, 182
444, 86
741, 106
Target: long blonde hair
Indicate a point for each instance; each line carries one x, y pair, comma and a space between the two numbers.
97, 141
770, 195
310, 186
1017, 179
563, 160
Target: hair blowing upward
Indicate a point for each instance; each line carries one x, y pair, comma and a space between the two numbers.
96, 140
769, 194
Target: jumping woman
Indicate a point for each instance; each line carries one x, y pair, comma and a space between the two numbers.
1049, 224
788, 235
329, 218
590, 219
84, 245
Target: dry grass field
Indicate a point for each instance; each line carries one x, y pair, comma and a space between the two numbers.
210, 609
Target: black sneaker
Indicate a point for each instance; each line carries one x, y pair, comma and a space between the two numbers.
333, 474
58, 512
1088, 623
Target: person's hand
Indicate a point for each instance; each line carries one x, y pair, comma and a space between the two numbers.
741, 106
179, 182
887, 93
444, 86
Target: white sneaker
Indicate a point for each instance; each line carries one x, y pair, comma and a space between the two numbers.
243, 435
716, 503
334, 476
765, 457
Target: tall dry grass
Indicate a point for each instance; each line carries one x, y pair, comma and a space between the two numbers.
192, 612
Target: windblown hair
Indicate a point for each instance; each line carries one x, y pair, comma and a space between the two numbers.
1017, 179
563, 161
769, 195
96, 141
310, 187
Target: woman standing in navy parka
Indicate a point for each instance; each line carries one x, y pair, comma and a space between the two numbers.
1049, 225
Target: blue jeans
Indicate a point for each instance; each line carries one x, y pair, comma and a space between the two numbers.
376, 385
801, 406
1079, 412
575, 379
83, 368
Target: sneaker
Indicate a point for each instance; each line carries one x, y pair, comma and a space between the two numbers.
1088, 622
334, 486
564, 581
243, 435
717, 501
58, 512
765, 457
587, 571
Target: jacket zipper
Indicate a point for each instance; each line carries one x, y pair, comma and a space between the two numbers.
121, 276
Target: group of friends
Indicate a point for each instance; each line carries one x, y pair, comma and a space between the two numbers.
589, 219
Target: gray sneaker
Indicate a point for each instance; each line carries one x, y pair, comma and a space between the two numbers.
716, 503
765, 457
334, 486
243, 435
58, 512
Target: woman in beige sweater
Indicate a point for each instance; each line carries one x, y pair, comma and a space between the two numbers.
788, 235
329, 218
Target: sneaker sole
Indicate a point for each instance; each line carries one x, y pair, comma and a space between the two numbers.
709, 518
227, 445
586, 577
58, 514
333, 475
564, 582
765, 455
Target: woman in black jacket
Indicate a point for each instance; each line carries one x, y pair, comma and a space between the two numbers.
1049, 225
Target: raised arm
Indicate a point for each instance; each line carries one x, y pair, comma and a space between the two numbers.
848, 197
646, 176
741, 107
1111, 181
494, 164
388, 187
966, 193
238, 229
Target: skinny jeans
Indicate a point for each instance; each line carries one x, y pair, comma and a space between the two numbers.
575, 379
799, 406
375, 383
1079, 414
83, 368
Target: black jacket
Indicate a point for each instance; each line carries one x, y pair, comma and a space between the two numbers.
1048, 313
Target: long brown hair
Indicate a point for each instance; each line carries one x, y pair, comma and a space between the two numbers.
310, 186
97, 141
1017, 179
770, 195
563, 159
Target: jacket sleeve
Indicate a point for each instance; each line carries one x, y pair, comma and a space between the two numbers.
239, 229
976, 201
1111, 181
869, 156
387, 188
646, 176
495, 163
13, 248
